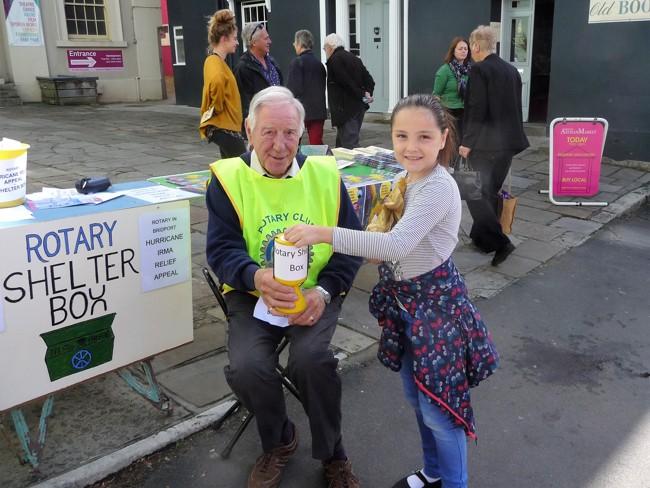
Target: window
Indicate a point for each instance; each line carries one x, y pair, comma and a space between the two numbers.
179, 46
85, 18
354, 43
253, 12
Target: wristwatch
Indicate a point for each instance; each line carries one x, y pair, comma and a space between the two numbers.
326, 294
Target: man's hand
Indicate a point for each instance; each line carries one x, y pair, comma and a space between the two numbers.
313, 312
305, 235
464, 151
273, 293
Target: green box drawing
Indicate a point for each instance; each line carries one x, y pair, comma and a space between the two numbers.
79, 347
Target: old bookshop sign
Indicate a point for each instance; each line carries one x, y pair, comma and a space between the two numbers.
86, 295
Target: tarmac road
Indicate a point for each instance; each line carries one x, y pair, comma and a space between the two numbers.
569, 408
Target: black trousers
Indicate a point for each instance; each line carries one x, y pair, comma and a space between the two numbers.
230, 144
312, 368
486, 230
347, 134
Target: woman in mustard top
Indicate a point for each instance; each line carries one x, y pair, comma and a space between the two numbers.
451, 80
221, 112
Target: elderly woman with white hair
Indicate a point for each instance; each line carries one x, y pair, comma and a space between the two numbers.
256, 68
349, 91
306, 80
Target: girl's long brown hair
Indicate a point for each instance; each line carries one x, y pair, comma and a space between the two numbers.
442, 117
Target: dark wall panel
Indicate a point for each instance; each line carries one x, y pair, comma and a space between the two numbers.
193, 16
285, 19
602, 70
432, 25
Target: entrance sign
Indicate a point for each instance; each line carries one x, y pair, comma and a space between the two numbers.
618, 11
71, 290
95, 60
576, 151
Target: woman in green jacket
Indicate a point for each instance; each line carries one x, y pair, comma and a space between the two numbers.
451, 80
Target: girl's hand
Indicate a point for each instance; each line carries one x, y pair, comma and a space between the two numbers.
305, 235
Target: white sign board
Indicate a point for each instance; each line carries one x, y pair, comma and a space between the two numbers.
618, 10
24, 27
73, 301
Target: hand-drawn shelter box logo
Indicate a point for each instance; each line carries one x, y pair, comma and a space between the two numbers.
79, 347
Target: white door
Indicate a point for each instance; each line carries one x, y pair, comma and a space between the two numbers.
517, 20
373, 43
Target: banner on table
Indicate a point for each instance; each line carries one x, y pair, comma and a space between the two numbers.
85, 295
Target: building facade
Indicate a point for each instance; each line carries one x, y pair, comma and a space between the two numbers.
578, 58
114, 40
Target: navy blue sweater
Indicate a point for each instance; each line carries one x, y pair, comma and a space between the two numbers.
226, 248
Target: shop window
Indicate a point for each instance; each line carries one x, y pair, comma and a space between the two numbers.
85, 19
179, 46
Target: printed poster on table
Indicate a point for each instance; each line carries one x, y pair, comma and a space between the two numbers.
73, 302
577, 155
165, 245
24, 27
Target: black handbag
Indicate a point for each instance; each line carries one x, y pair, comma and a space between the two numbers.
468, 180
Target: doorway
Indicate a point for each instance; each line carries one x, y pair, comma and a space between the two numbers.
526, 36
540, 76
373, 43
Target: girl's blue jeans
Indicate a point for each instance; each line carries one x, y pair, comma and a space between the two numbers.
444, 444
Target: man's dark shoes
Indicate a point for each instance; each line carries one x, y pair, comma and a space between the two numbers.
268, 468
403, 483
339, 475
502, 253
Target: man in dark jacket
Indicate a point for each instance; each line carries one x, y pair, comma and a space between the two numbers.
349, 91
493, 133
306, 80
256, 69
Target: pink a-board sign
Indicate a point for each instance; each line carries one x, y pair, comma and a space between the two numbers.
577, 150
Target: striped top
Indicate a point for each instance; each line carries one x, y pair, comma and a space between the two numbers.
422, 239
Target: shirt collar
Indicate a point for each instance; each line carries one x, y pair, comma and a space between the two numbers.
257, 166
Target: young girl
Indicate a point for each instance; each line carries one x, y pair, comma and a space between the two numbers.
432, 333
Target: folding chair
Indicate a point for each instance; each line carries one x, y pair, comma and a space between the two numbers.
248, 416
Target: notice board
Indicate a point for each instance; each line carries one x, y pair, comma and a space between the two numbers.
85, 295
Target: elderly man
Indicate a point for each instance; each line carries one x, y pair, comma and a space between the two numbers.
349, 91
256, 69
250, 200
306, 80
493, 133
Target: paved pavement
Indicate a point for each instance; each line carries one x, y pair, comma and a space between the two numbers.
136, 141
568, 407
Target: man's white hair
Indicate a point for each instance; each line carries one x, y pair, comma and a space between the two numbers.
486, 37
333, 40
275, 95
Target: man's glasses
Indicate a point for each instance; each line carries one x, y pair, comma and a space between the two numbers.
259, 26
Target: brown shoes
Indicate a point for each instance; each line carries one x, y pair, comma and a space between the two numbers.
268, 468
339, 475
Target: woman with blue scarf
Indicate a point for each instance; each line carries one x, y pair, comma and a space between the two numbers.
451, 80
431, 332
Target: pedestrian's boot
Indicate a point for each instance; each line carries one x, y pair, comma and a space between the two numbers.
339, 475
267, 471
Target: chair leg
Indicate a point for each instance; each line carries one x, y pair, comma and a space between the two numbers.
231, 411
225, 453
287, 382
